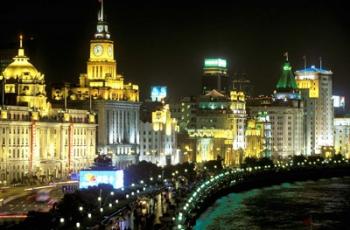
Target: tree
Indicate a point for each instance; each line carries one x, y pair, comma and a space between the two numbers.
265, 161
141, 171
299, 158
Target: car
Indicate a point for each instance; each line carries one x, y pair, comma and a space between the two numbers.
42, 195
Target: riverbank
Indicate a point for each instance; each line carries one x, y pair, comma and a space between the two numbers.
251, 179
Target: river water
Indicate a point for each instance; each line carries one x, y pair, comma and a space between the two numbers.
322, 204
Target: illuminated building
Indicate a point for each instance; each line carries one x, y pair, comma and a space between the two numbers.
219, 130
286, 113
115, 101
316, 87
215, 76
338, 105
342, 136
158, 141
184, 112
258, 136
37, 140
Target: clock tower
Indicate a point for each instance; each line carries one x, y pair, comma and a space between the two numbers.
101, 65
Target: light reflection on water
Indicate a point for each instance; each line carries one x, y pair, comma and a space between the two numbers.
324, 204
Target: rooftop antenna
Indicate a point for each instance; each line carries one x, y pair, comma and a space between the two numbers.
65, 97
21, 41
320, 62
100, 18
304, 58
286, 55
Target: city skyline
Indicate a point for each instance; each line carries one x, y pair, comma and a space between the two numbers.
165, 50
146, 116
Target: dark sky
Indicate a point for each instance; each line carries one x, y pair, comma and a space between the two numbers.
160, 44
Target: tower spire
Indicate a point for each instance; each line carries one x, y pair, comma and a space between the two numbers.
100, 14
20, 41
101, 9
102, 26
286, 55
21, 50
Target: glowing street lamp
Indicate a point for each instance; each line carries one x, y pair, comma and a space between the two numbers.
89, 215
61, 220
77, 225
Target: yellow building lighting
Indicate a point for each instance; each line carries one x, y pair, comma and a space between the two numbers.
310, 83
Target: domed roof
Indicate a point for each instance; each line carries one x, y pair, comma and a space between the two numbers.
21, 67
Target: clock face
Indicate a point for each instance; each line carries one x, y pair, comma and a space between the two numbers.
98, 50
110, 51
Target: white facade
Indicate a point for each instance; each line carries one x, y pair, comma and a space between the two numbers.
53, 146
158, 139
287, 128
342, 136
118, 130
316, 87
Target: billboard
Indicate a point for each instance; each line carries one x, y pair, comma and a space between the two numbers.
338, 101
89, 178
158, 93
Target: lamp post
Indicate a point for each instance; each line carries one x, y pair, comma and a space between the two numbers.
100, 199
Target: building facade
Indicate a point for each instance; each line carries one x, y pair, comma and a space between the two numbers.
258, 136
220, 125
37, 140
104, 90
316, 87
158, 135
342, 136
286, 114
184, 112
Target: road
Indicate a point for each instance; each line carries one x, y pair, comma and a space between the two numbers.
22, 199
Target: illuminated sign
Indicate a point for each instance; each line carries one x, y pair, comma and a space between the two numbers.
217, 62
158, 93
91, 178
338, 101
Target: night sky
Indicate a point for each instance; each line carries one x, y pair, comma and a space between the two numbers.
158, 44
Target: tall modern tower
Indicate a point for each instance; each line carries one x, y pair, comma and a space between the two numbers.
215, 76
316, 86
